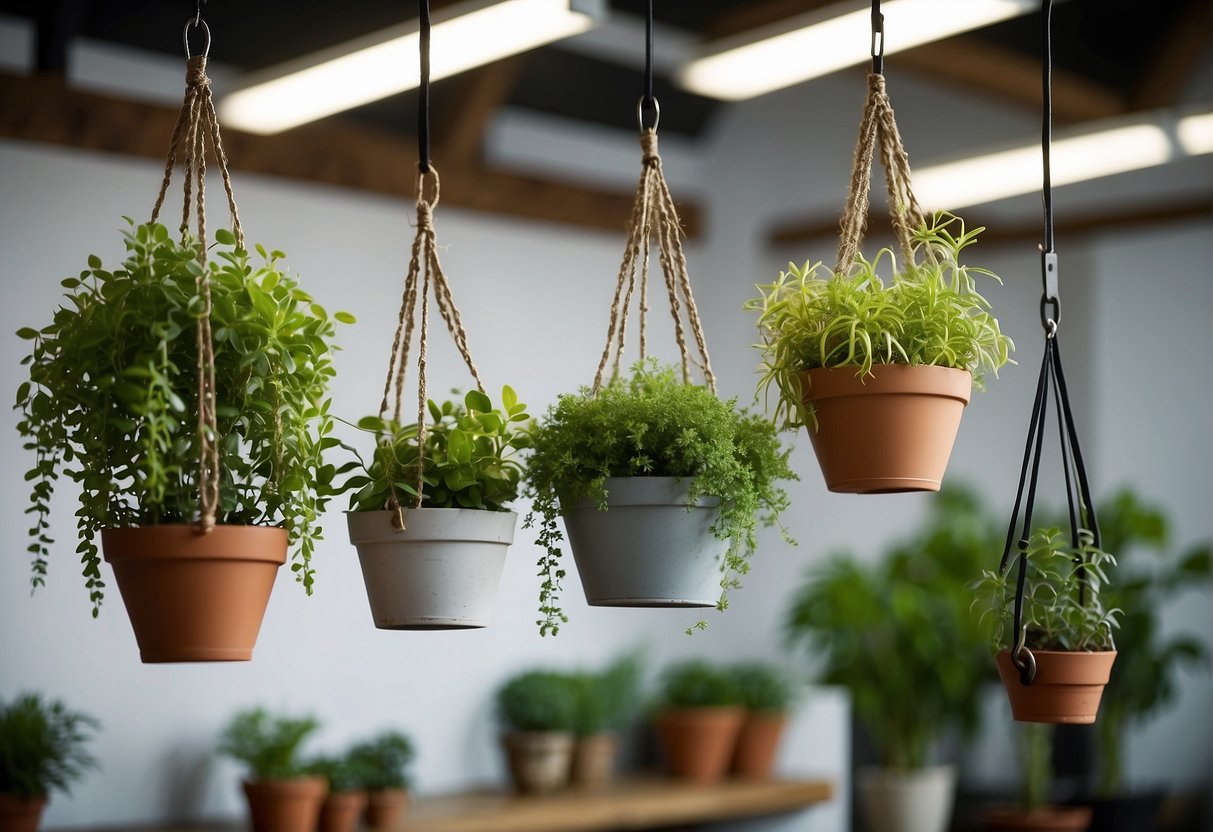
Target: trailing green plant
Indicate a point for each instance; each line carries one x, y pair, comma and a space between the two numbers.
608, 700
899, 633
383, 762
43, 746
112, 397
1062, 607
268, 745
343, 772
765, 687
471, 456
927, 312
539, 700
699, 684
652, 424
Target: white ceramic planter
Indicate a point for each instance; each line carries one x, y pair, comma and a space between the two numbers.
907, 801
441, 572
648, 549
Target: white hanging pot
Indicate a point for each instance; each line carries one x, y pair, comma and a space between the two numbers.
441, 572
649, 549
911, 800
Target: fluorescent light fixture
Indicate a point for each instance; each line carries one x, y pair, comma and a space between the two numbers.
386, 63
831, 39
1116, 146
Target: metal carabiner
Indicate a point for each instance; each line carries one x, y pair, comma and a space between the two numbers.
185, 36
877, 51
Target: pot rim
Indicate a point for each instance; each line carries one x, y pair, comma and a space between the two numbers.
885, 379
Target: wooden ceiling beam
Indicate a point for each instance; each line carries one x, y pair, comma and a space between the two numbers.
1177, 58
42, 108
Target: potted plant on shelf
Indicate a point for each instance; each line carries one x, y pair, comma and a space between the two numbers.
347, 797
766, 694
606, 702
1067, 629
1034, 811
661, 486
43, 748
112, 401
539, 710
382, 764
698, 719
438, 566
283, 796
879, 369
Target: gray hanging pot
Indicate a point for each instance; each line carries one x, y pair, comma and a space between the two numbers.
649, 549
441, 572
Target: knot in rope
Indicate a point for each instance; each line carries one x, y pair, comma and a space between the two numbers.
648, 144
195, 72
425, 217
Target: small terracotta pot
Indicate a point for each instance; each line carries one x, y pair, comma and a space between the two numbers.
699, 742
385, 807
594, 760
285, 805
195, 597
1044, 819
1067, 687
888, 432
539, 761
20, 814
758, 744
341, 811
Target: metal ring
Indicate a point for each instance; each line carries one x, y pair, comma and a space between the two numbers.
1047, 320
640, 113
185, 36
1025, 666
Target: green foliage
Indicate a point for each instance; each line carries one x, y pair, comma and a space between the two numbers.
539, 700
764, 687
471, 456
112, 397
383, 762
653, 424
899, 634
1036, 758
930, 312
43, 746
1056, 615
608, 700
699, 684
343, 773
268, 745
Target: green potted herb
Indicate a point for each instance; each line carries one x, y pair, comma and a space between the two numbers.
699, 715
539, 710
766, 695
438, 566
1067, 631
112, 401
283, 795
879, 369
346, 799
660, 485
382, 764
43, 748
606, 701
1035, 813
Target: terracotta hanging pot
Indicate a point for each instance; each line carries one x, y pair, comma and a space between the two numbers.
1067, 687
341, 811
647, 549
699, 742
594, 760
440, 573
539, 761
1044, 819
195, 597
888, 432
758, 744
285, 805
385, 807
20, 814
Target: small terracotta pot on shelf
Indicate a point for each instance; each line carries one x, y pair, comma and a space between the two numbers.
539, 761
758, 744
594, 760
341, 811
385, 808
1067, 688
21, 814
1044, 819
699, 742
285, 805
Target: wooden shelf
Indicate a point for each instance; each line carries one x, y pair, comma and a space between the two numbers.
631, 804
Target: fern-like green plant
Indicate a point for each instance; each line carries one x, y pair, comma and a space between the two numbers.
383, 762
43, 746
924, 312
268, 745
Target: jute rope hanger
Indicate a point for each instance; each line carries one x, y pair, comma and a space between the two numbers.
196, 127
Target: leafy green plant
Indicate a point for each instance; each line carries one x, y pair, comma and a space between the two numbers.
607, 700
764, 687
343, 773
899, 633
698, 684
471, 456
43, 746
929, 312
539, 700
268, 745
1058, 612
383, 762
653, 424
112, 397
